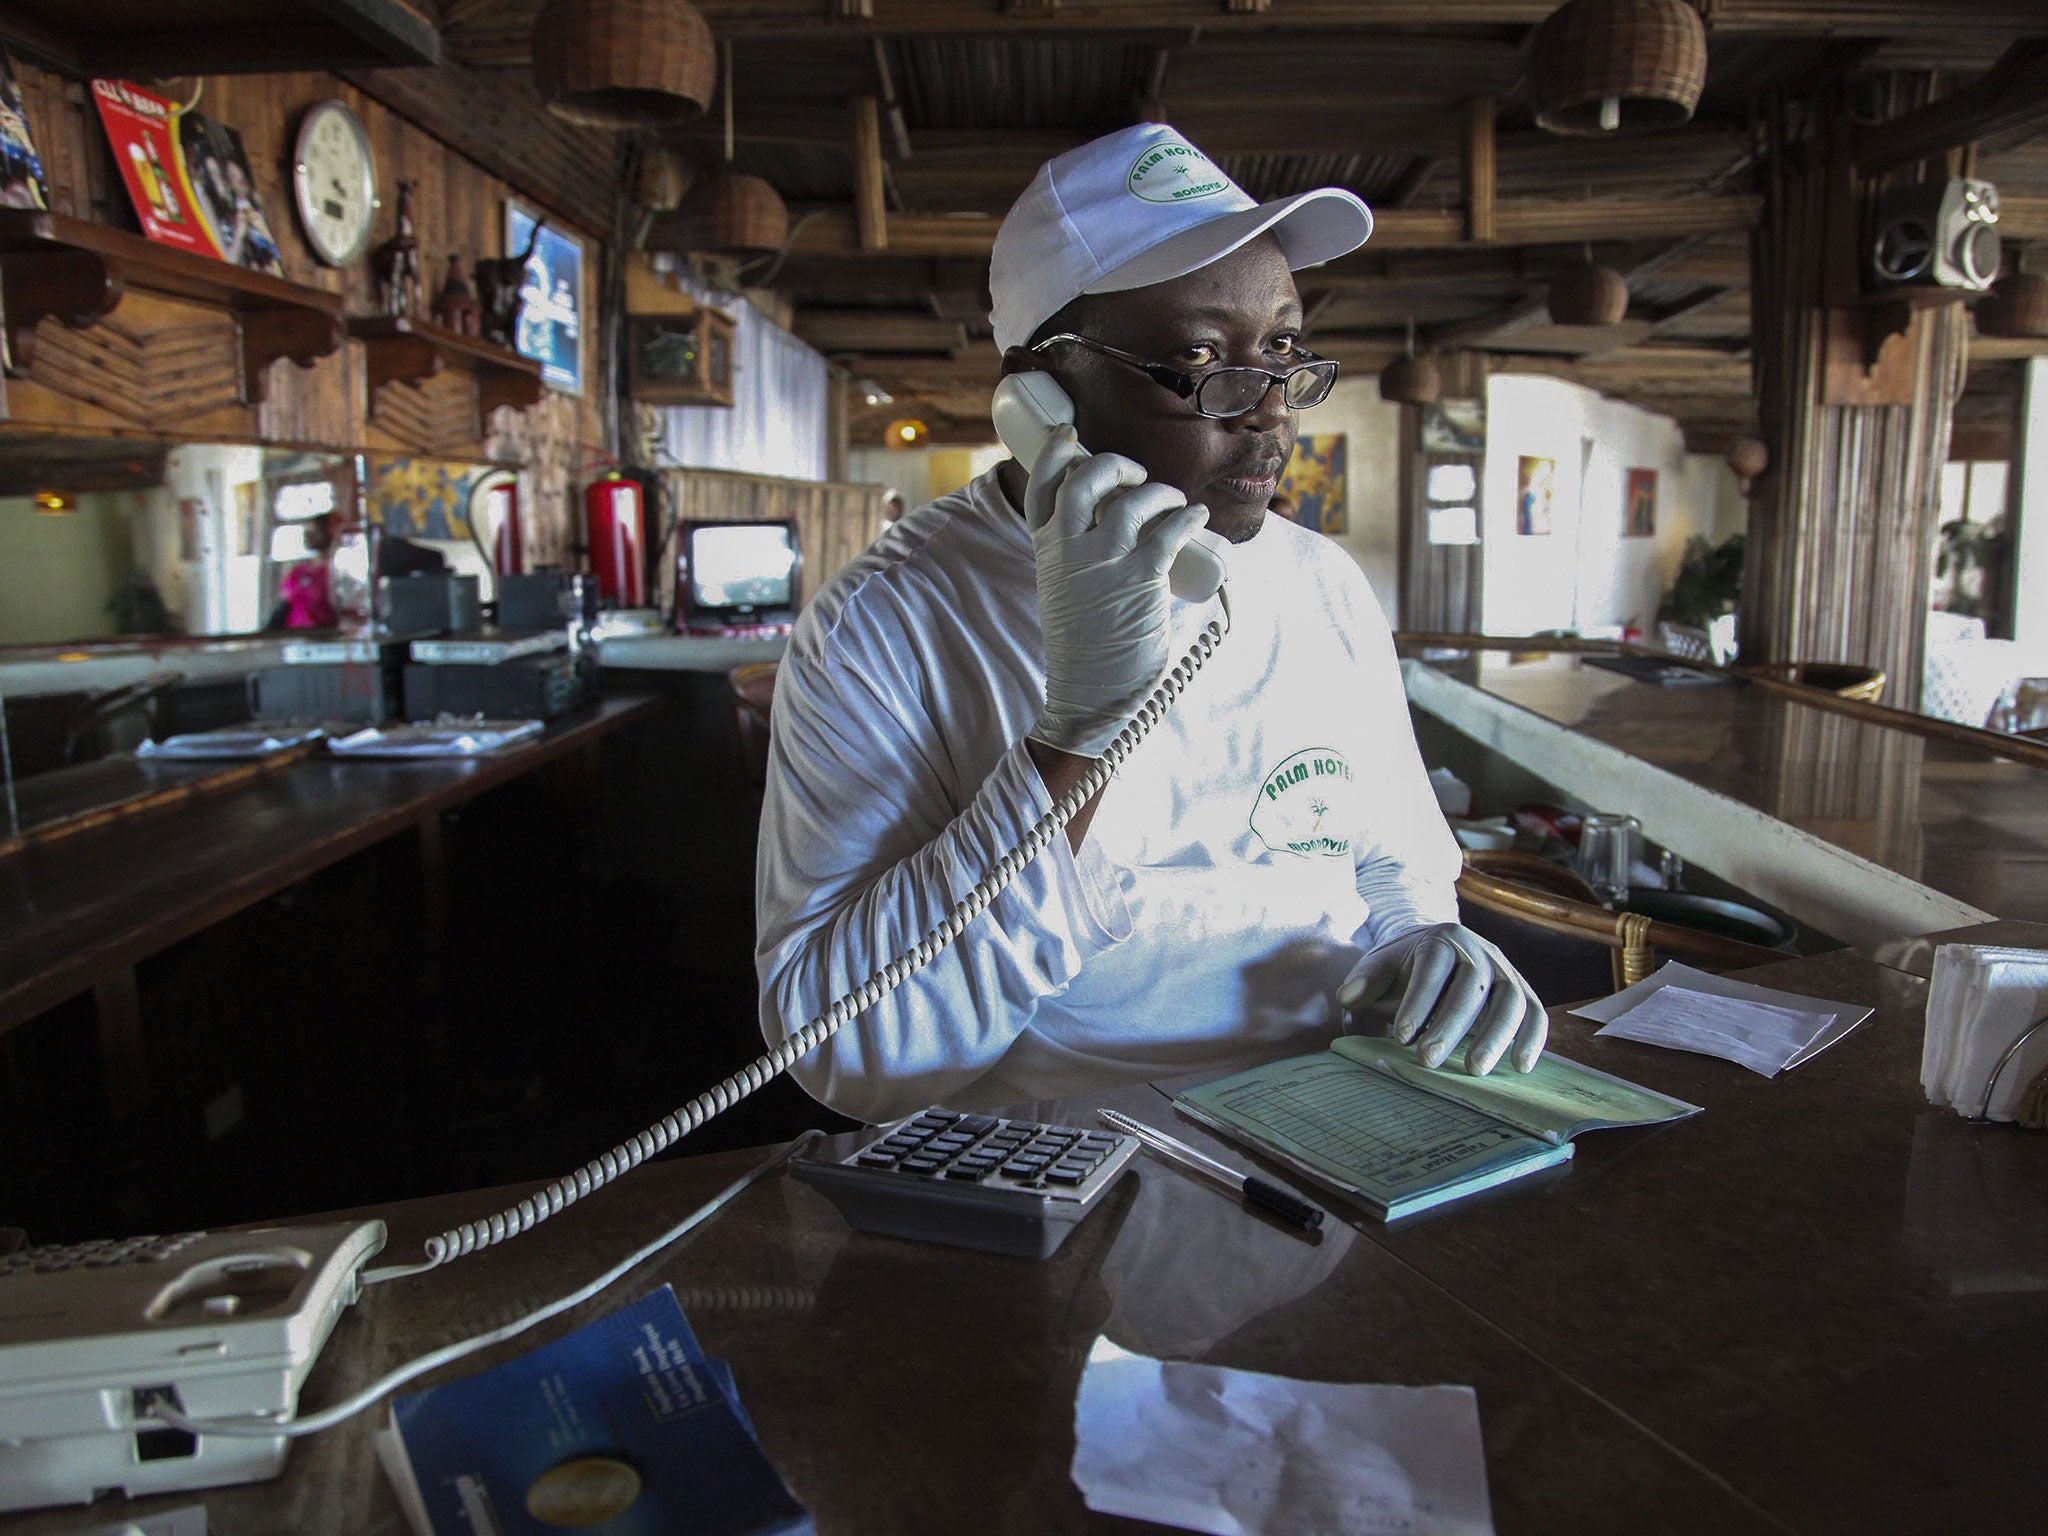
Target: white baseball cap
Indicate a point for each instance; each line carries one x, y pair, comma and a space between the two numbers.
1140, 206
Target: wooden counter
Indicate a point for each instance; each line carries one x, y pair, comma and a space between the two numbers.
1860, 829
1818, 1307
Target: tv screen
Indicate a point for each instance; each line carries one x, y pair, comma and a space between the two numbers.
740, 572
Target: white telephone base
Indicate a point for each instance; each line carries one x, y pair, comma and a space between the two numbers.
227, 1323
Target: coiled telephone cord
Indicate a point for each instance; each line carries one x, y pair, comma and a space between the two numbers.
475, 1236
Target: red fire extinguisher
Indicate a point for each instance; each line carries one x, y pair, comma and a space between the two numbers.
611, 509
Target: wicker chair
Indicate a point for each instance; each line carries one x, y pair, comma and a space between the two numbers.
1844, 681
1549, 897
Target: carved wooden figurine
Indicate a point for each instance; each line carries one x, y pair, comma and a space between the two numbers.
456, 307
396, 263
497, 289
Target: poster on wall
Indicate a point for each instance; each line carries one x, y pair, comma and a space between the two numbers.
1639, 517
550, 314
21, 168
187, 176
1535, 486
1314, 483
1454, 426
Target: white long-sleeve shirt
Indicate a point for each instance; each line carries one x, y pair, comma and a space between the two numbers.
1277, 821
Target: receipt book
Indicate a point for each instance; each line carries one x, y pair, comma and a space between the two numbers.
1367, 1119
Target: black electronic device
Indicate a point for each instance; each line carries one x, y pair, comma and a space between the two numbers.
524, 688
1937, 234
365, 693
546, 600
973, 1181
430, 603
737, 576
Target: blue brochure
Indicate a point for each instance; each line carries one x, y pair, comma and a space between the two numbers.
623, 1428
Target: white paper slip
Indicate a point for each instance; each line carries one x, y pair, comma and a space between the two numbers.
1842, 1017
1239, 1453
1760, 1036
1981, 1002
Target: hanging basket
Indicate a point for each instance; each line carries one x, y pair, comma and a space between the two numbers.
1600, 67
728, 214
1411, 381
2016, 307
1748, 457
1588, 295
624, 63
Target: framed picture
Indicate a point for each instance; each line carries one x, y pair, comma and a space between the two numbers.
1454, 426
21, 168
551, 308
1535, 486
1314, 483
680, 359
217, 170
1639, 515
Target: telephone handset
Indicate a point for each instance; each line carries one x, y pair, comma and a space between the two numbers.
1028, 406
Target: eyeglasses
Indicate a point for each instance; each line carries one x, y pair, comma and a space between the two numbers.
1225, 392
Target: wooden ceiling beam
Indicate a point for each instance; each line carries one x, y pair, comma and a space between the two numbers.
870, 200
864, 331
1521, 222
1478, 168
2012, 97
1731, 18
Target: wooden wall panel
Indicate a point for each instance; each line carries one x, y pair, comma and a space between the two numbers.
834, 522
459, 206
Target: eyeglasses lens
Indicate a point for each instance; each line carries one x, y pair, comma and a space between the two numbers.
1233, 391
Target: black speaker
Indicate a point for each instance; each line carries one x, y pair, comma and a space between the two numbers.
1937, 234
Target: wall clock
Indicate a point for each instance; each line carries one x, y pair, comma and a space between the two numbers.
334, 182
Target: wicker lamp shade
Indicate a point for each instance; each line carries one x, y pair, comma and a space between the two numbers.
1599, 67
1411, 381
1588, 295
1748, 457
623, 63
2016, 307
729, 214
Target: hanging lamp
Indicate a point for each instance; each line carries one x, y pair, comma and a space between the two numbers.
1749, 457
1411, 380
1589, 294
1600, 67
623, 63
729, 215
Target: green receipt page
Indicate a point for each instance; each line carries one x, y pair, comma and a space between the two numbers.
1556, 1101
1396, 1147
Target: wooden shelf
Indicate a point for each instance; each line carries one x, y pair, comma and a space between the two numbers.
405, 350
219, 37
79, 271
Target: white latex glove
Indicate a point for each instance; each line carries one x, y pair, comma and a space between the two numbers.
1453, 984
1105, 538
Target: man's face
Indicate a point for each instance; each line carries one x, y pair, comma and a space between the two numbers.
1241, 311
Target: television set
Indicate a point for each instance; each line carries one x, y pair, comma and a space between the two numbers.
737, 576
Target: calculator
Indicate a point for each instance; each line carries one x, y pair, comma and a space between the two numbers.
973, 1181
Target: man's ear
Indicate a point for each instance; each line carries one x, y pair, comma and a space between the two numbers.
1022, 360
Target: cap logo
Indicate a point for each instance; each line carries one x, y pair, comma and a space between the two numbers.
1174, 173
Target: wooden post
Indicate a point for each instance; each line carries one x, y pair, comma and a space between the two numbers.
838, 423
871, 210
1478, 167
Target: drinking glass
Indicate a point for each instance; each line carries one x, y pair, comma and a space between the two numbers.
1606, 849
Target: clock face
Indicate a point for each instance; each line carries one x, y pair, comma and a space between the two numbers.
334, 183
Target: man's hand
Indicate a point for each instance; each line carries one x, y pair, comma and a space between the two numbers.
1453, 984
1104, 538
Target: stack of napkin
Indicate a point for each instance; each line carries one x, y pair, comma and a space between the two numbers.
1981, 999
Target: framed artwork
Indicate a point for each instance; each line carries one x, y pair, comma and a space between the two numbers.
217, 170
551, 308
1454, 426
1314, 483
1639, 515
21, 168
1535, 487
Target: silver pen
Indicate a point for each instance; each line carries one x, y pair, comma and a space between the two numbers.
1280, 1201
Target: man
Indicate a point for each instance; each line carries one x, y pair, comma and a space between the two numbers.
1271, 855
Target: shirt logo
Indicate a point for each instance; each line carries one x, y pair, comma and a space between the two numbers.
1304, 805
1174, 173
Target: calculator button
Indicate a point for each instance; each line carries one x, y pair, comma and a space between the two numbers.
976, 1125
967, 1173
921, 1164
1025, 1128
939, 1116
1099, 1143
876, 1158
1064, 1175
